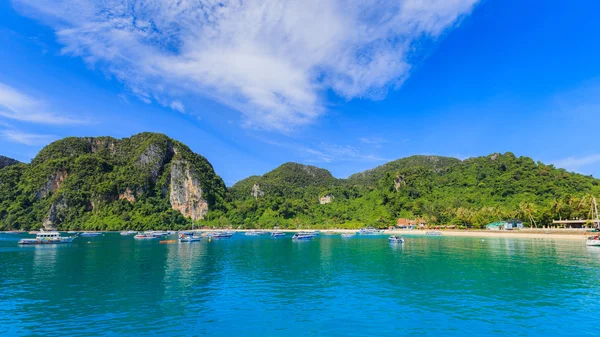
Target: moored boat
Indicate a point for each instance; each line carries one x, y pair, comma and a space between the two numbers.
158, 234
277, 234
253, 233
145, 236
348, 235
222, 235
369, 231
593, 241
128, 233
396, 239
44, 238
189, 238
302, 236
91, 234
433, 233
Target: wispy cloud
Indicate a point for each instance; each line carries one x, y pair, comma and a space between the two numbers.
271, 60
329, 153
16, 136
18, 106
577, 163
377, 142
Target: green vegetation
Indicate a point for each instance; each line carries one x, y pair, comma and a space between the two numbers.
5, 161
85, 183
150, 181
442, 191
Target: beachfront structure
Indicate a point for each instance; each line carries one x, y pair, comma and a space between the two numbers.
410, 224
584, 223
505, 225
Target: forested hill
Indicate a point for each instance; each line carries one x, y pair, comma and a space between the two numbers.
152, 181
146, 181
5, 161
290, 180
372, 176
440, 190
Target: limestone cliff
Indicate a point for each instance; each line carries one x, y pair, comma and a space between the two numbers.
143, 182
185, 193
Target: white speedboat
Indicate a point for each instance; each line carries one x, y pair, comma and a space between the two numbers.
45, 238
396, 239
253, 233
146, 236
348, 235
128, 233
369, 231
222, 235
158, 234
433, 233
91, 234
189, 238
593, 241
302, 236
277, 234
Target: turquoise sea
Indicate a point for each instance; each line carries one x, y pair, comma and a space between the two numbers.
258, 286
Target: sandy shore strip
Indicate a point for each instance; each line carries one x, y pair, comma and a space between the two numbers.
569, 234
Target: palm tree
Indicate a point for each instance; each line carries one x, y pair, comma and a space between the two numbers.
527, 209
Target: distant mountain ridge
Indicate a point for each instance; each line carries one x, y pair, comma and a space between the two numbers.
150, 181
5, 161
372, 176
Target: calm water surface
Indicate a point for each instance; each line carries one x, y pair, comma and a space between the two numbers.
258, 286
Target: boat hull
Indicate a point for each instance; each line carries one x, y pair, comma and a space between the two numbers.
593, 243
43, 242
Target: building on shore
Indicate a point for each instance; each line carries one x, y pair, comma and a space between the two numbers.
505, 225
583, 223
410, 224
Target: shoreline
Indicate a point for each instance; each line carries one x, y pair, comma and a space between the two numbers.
568, 234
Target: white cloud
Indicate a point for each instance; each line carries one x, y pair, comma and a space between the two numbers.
18, 106
272, 60
16, 136
377, 142
577, 163
329, 153
177, 106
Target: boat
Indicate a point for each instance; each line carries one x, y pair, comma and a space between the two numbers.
396, 239
369, 231
302, 236
186, 232
277, 234
594, 240
253, 233
348, 235
308, 233
128, 233
72, 232
45, 238
145, 236
189, 238
158, 234
222, 235
433, 233
91, 234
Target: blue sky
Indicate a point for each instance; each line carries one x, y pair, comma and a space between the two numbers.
344, 86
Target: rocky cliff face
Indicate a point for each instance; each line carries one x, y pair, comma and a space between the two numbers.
140, 182
53, 184
185, 194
